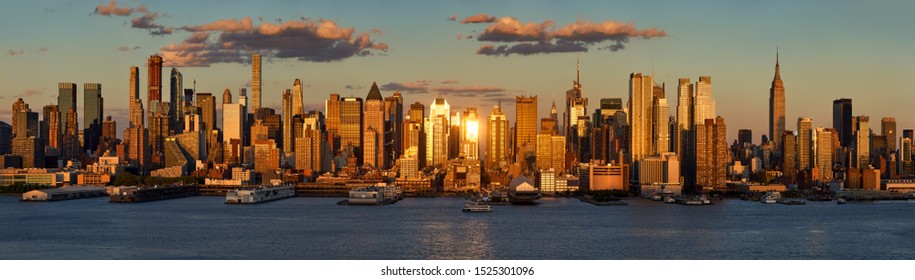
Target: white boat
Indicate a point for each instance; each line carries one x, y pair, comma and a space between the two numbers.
476, 207
670, 199
771, 197
258, 195
840, 201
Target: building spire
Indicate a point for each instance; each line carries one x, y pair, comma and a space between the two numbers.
777, 70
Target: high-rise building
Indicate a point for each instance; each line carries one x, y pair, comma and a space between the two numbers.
776, 105
66, 100
266, 156
93, 110
176, 97
70, 149
255, 82
288, 116
351, 122
298, 108
393, 114
6, 138
789, 157
158, 131
29, 148
551, 152
18, 106
861, 126
745, 136
660, 140
573, 98
640, 98
437, 132
27, 124
470, 144
207, 104
684, 118
455, 135
373, 129
805, 145
824, 154
711, 154
50, 131
525, 122
233, 124
332, 109
888, 127
703, 102
497, 148
154, 91
136, 105
842, 121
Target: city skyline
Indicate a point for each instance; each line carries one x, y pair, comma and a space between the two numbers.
742, 74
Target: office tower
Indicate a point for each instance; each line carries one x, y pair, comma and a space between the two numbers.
573, 101
551, 152
417, 111
789, 156
640, 98
133, 99
66, 100
684, 117
109, 131
233, 123
158, 131
805, 151
470, 144
888, 127
297, 107
704, 104
862, 137
745, 136
842, 121
373, 129
189, 103
18, 106
351, 122
31, 151
455, 135
437, 131
137, 147
255, 82
93, 110
6, 138
266, 156
776, 105
609, 106
227, 97
661, 132
27, 124
273, 122
207, 104
393, 117
906, 166
525, 121
824, 154
70, 149
312, 153
711, 154
497, 149
154, 91
176, 97
50, 130
332, 109
288, 115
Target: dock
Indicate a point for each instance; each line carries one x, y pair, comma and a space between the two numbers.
65, 193
259, 195
153, 193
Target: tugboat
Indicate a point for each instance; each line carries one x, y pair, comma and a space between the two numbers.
473, 206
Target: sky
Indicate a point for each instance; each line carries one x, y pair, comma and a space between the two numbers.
475, 53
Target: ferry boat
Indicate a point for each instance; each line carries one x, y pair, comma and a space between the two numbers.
472, 206
771, 197
258, 195
378, 194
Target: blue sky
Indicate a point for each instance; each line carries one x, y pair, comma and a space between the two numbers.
829, 49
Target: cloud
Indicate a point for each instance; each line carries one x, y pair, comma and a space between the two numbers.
13, 52
354, 87
453, 18
408, 87
126, 48
478, 18
31, 92
532, 48
527, 38
470, 91
449, 82
43, 49
145, 20
113, 9
305, 40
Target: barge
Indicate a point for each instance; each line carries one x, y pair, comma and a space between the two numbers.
258, 195
153, 193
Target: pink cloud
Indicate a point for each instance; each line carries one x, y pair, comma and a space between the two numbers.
478, 18
113, 9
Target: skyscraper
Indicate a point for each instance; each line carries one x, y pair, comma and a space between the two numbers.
50, 131
525, 122
437, 132
789, 157
176, 97
373, 129
704, 103
66, 100
298, 108
18, 106
233, 123
332, 109
470, 144
776, 105
93, 110
393, 115
684, 117
661, 130
640, 97
711, 154
842, 121
288, 115
136, 106
70, 149
888, 127
862, 142
497, 148
154, 91
207, 104
351, 122
805, 144
255, 82
824, 154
